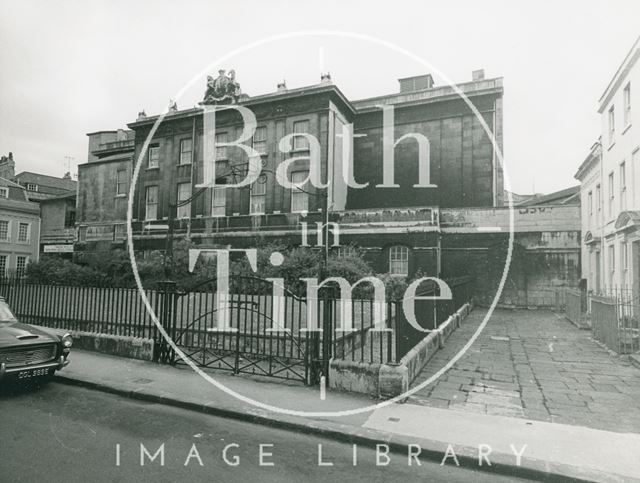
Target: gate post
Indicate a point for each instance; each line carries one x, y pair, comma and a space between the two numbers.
167, 317
327, 332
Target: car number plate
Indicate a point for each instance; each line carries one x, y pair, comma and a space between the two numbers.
33, 373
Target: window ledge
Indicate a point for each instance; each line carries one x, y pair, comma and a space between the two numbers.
151, 168
626, 128
122, 195
185, 164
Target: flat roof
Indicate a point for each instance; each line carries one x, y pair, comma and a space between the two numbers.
289, 93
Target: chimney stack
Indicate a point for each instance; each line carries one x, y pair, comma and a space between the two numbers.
282, 86
325, 78
7, 166
477, 75
416, 83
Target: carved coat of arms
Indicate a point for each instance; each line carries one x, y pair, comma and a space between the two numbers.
222, 90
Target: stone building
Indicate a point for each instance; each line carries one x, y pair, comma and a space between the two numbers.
58, 232
55, 200
610, 187
42, 186
397, 227
592, 216
103, 187
545, 255
19, 228
459, 227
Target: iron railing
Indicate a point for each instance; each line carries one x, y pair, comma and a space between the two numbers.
573, 305
615, 321
106, 310
249, 344
366, 344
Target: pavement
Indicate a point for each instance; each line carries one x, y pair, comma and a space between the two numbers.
534, 364
58, 432
553, 450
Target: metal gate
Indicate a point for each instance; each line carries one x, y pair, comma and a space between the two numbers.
250, 345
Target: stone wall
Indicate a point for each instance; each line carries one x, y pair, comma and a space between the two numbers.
545, 255
389, 380
97, 198
461, 155
115, 345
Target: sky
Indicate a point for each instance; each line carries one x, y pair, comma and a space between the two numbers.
71, 67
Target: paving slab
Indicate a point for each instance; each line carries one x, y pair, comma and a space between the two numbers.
535, 364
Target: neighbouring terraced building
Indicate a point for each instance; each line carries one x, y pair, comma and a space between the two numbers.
610, 187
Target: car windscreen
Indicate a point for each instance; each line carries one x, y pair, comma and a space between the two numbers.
5, 313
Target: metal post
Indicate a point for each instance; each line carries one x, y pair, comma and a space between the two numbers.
168, 320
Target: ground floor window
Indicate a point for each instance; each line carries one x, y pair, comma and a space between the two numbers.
21, 265
399, 260
345, 251
3, 266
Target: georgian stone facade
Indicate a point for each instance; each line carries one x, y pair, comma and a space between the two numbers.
397, 227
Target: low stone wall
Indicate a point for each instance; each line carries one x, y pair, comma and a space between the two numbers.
417, 358
115, 345
389, 380
351, 376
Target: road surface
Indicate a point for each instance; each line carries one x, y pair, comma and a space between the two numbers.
64, 433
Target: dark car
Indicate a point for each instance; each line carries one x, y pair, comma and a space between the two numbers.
27, 352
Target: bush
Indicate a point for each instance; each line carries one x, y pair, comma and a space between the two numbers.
114, 269
58, 271
395, 286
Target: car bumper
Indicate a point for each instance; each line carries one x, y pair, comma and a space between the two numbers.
58, 364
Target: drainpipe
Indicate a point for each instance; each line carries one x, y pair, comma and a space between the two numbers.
193, 169
39, 237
